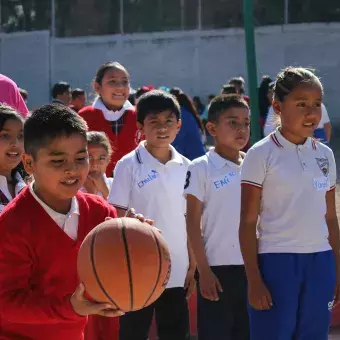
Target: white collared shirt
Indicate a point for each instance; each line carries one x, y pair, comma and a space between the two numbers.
4, 188
215, 181
294, 181
69, 222
110, 115
108, 182
156, 191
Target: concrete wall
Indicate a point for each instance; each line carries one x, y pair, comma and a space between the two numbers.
197, 61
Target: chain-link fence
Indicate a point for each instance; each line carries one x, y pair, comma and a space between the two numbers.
97, 17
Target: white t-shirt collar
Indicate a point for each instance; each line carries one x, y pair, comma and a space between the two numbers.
109, 114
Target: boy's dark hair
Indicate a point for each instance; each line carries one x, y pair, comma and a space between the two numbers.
229, 89
77, 92
157, 101
8, 113
49, 122
100, 139
23, 93
223, 103
211, 97
105, 67
290, 78
60, 88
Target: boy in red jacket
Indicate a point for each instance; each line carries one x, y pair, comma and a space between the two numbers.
42, 230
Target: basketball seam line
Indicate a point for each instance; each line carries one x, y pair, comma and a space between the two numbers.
128, 263
159, 267
95, 271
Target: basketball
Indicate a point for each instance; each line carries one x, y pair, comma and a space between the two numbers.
124, 262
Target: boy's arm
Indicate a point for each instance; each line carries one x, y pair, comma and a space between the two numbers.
334, 241
194, 214
20, 302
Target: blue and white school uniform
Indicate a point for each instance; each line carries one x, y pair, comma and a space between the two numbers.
295, 257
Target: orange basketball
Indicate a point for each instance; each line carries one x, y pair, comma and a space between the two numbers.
124, 262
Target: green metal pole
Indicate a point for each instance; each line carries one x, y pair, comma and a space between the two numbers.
252, 69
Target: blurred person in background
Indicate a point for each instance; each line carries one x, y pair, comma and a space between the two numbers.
239, 83
141, 91
10, 95
61, 93
190, 138
24, 94
78, 99
272, 119
324, 130
265, 94
228, 89
198, 105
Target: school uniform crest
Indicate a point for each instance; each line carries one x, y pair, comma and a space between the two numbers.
323, 164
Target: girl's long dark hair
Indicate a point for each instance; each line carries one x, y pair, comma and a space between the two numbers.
8, 113
185, 101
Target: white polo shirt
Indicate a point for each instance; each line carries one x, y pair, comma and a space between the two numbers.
156, 191
216, 182
294, 181
69, 222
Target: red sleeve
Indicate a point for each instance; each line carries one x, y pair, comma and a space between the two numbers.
19, 302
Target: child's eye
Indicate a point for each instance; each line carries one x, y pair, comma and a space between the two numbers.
301, 105
57, 161
82, 159
5, 136
21, 136
102, 158
247, 124
233, 122
317, 105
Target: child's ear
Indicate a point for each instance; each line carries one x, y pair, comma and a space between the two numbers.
96, 87
27, 161
277, 106
179, 125
211, 127
140, 126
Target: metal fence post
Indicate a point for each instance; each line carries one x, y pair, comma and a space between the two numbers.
286, 12
199, 14
121, 16
53, 21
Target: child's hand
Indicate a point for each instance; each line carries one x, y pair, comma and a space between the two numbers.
90, 186
259, 295
210, 286
190, 282
98, 180
132, 214
84, 307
